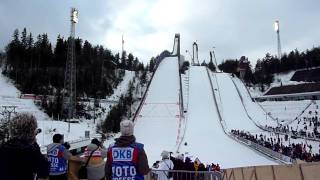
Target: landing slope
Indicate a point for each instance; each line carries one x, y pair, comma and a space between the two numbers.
204, 135
157, 123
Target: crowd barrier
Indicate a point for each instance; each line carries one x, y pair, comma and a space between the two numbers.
304, 171
307, 171
184, 175
269, 152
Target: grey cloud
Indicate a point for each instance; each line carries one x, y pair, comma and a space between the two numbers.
235, 27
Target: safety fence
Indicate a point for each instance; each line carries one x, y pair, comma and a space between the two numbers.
307, 171
183, 175
266, 151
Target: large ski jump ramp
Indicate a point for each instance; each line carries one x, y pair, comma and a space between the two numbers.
205, 137
237, 108
254, 109
157, 123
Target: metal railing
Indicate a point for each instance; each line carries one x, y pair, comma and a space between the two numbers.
267, 151
183, 175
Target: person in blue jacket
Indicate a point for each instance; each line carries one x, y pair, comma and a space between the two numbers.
57, 156
126, 159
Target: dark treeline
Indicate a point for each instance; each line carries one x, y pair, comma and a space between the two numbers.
269, 65
38, 68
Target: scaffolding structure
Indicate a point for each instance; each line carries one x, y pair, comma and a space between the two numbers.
69, 95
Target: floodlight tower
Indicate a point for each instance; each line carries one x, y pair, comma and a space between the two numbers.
69, 102
277, 29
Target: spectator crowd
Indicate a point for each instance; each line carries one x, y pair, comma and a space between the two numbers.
182, 166
305, 126
295, 151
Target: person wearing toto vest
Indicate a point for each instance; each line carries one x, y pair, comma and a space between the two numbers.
126, 159
57, 157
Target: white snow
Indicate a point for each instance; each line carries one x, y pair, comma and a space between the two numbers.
122, 88
233, 111
157, 122
278, 80
255, 111
205, 137
285, 110
9, 95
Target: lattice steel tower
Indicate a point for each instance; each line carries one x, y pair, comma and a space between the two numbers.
69, 99
277, 29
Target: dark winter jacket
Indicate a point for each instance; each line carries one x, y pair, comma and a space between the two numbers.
22, 160
178, 165
142, 166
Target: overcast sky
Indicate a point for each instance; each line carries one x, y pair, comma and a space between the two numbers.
234, 27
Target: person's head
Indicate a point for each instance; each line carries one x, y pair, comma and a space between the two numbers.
165, 155
58, 138
188, 160
126, 128
24, 127
96, 142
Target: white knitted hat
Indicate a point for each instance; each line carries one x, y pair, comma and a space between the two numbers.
126, 128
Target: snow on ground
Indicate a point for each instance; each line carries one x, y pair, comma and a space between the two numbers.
283, 78
204, 136
122, 88
278, 80
9, 95
295, 115
285, 110
157, 122
255, 111
233, 111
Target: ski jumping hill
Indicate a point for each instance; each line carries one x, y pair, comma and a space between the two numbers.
238, 109
205, 137
157, 122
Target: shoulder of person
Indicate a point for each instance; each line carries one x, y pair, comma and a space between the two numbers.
138, 145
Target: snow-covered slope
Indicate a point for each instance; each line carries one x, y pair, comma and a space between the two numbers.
204, 136
122, 88
280, 79
286, 110
254, 110
233, 111
157, 123
7, 89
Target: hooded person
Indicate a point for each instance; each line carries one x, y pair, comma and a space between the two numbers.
165, 165
126, 158
20, 156
96, 164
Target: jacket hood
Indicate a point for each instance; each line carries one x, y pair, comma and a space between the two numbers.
18, 144
123, 141
92, 147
